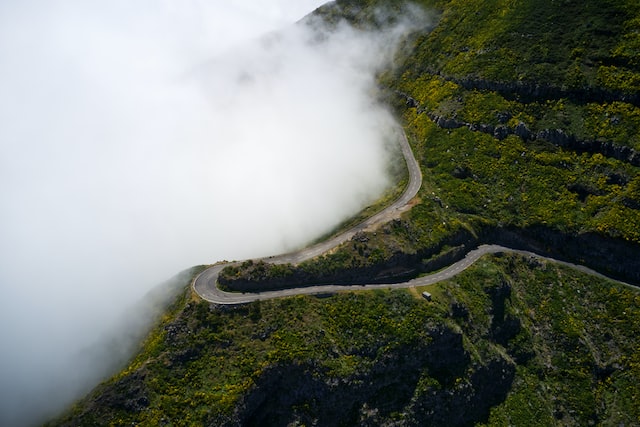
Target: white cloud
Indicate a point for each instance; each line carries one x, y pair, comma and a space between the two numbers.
139, 139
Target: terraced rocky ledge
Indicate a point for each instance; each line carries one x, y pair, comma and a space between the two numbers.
558, 137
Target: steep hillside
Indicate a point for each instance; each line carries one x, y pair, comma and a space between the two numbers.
514, 151
525, 118
510, 341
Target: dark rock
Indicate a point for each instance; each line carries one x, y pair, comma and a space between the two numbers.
522, 131
360, 237
412, 103
447, 123
503, 327
303, 394
583, 190
468, 403
504, 331
631, 203
615, 257
607, 148
446, 357
185, 355
557, 137
534, 91
617, 179
602, 372
499, 294
128, 393
503, 117
459, 311
462, 172
444, 258
175, 333
398, 267
501, 132
484, 128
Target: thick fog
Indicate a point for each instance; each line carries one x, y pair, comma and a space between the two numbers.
141, 138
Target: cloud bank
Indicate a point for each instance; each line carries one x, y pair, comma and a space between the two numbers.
140, 139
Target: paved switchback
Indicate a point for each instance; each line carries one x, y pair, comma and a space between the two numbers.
206, 283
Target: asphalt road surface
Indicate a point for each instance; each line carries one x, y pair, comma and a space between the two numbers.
206, 283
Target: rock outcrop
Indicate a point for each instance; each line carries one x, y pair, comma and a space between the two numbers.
557, 137
532, 91
616, 258
399, 267
302, 393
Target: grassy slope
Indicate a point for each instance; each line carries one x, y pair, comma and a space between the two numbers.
575, 351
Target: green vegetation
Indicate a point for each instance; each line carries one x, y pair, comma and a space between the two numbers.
567, 349
505, 73
510, 157
515, 183
571, 44
524, 116
524, 337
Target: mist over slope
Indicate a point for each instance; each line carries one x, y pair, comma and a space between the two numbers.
507, 106
141, 139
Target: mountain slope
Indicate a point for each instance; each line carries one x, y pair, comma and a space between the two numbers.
524, 117
524, 156
511, 340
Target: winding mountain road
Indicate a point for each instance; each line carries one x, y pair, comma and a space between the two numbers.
206, 283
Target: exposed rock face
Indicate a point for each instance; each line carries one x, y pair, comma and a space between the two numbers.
522, 131
530, 91
447, 123
556, 137
503, 327
301, 393
129, 394
606, 148
398, 268
467, 405
614, 257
